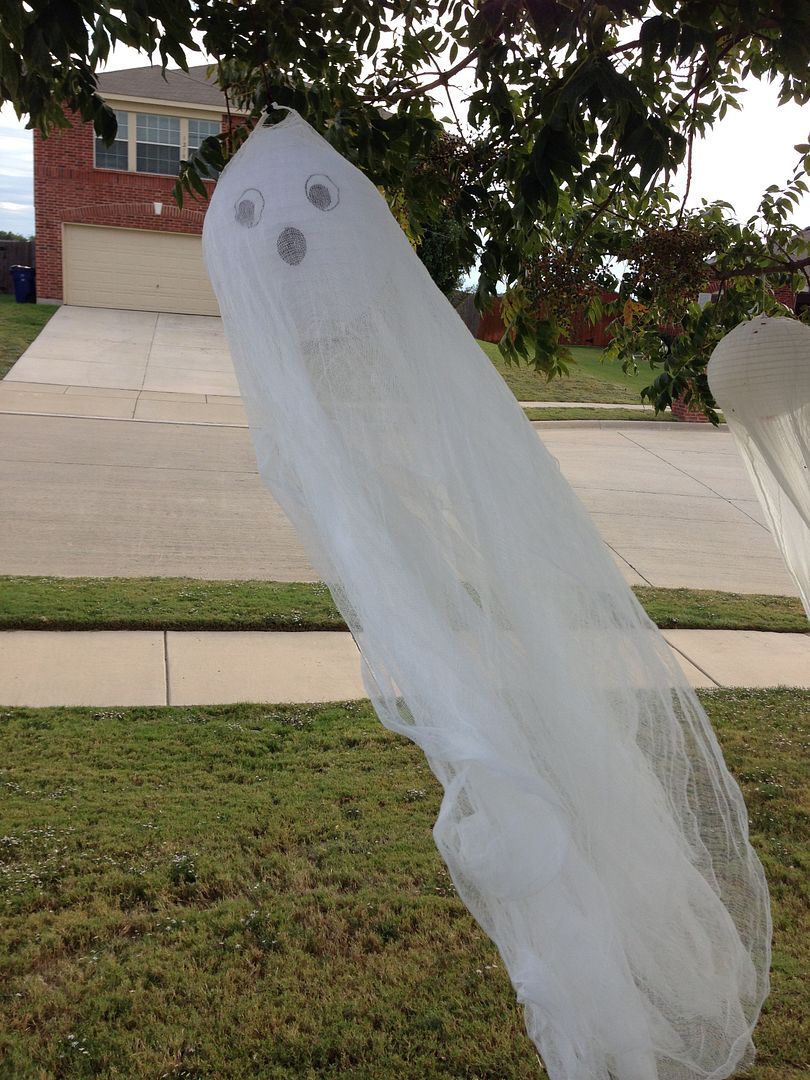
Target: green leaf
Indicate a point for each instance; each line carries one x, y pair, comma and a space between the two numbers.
650, 35
192, 175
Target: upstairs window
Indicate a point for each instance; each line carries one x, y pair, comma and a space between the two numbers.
153, 142
157, 144
198, 130
115, 156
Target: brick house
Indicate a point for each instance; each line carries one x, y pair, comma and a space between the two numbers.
108, 231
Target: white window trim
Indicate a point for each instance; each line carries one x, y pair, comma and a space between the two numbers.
132, 141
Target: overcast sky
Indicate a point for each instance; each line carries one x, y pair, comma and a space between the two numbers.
745, 153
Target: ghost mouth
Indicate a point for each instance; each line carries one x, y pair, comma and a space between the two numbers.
291, 245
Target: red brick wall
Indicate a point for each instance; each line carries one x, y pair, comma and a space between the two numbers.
67, 188
783, 293
681, 411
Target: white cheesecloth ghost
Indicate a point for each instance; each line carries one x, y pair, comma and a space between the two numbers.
589, 822
760, 376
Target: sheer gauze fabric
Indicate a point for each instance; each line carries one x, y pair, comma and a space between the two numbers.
588, 821
760, 376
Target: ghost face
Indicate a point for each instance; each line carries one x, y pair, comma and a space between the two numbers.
294, 215
301, 245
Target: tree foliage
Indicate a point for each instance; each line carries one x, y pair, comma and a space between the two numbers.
440, 249
547, 131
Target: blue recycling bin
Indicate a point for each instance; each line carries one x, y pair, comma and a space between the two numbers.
23, 280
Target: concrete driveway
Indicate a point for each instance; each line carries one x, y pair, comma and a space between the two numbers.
127, 365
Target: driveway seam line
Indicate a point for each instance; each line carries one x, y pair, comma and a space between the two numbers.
84, 360
143, 468
619, 555
694, 479
167, 693
148, 355
677, 468
702, 671
132, 419
598, 487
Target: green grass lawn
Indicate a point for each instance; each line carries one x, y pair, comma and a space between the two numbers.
597, 414
47, 603
246, 891
590, 379
19, 325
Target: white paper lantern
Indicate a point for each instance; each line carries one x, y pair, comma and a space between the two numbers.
589, 822
760, 377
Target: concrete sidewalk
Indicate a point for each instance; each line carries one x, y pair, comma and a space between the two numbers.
122, 668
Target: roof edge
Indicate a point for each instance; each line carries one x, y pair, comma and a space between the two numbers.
194, 106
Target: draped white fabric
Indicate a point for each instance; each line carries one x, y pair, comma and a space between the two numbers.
760, 376
589, 822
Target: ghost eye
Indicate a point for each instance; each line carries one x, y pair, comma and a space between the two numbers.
322, 192
248, 208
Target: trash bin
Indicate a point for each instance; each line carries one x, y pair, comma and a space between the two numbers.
23, 279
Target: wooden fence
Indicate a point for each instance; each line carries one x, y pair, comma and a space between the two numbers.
582, 331
12, 253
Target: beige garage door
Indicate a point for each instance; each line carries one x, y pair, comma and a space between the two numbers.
136, 269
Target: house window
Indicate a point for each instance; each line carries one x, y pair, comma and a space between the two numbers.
153, 142
115, 156
157, 144
198, 130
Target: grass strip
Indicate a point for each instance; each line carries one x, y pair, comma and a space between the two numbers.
49, 603
233, 891
597, 414
704, 609
19, 325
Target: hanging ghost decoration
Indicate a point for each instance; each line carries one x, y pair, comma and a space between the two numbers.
588, 821
760, 376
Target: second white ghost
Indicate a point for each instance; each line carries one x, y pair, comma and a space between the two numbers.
760, 375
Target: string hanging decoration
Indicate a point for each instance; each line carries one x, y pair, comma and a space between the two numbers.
760, 375
588, 820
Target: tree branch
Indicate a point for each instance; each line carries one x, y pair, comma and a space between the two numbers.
443, 78
690, 148
792, 266
619, 49
598, 210
704, 73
